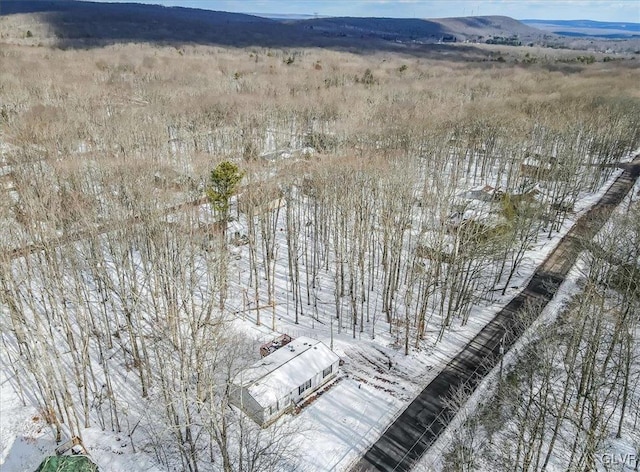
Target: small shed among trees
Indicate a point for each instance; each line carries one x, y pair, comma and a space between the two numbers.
71, 456
274, 384
67, 464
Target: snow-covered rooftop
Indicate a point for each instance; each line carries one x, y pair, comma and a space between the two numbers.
274, 376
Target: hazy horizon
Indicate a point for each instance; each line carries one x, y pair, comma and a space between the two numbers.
625, 11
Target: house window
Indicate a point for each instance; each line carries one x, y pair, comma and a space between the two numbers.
304, 386
327, 371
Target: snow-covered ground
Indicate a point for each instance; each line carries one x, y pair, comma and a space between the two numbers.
432, 461
374, 385
620, 454
367, 362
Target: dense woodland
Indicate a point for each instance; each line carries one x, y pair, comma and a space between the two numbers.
119, 280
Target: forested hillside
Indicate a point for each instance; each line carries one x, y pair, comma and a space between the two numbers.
383, 203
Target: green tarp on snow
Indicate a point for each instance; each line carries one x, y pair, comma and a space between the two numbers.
67, 464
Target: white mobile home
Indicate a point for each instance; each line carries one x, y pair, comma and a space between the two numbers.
268, 388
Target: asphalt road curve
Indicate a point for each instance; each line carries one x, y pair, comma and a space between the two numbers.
413, 432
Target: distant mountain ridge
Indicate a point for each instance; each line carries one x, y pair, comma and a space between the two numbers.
9, 7
80, 23
410, 29
73, 23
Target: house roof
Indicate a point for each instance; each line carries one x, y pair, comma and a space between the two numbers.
277, 374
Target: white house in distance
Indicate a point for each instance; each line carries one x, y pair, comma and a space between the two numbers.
269, 387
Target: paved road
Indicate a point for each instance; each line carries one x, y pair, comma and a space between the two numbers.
413, 432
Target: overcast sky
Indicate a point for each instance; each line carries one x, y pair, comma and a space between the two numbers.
601, 10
